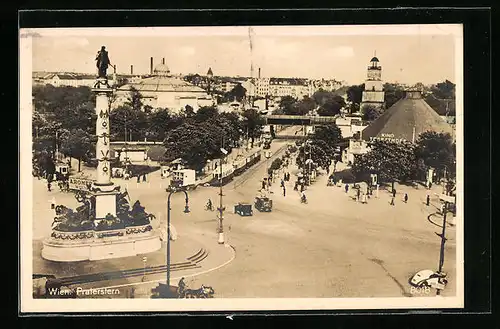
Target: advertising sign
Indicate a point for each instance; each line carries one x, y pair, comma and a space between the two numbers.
81, 184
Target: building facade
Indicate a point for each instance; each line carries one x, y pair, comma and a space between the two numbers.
373, 95
68, 79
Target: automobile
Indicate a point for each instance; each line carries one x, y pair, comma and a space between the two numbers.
243, 209
263, 204
429, 278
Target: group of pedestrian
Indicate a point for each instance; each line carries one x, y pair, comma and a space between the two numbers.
393, 197
144, 178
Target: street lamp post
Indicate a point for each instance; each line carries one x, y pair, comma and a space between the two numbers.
186, 210
446, 198
220, 227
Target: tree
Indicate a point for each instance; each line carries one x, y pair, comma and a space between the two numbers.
253, 123
392, 93
134, 100
305, 105
77, 144
205, 113
196, 142
188, 111
235, 124
330, 134
288, 105
71, 107
317, 151
391, 162
159, 122
355, 93
330, 103
370, 113
189, 142
438, 151
238, 93
444, 90
322, 147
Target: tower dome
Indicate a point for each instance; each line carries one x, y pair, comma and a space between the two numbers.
162, 70
374, 59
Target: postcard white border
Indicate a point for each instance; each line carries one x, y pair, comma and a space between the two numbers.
28, 304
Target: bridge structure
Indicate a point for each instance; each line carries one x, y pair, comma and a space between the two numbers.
298, 120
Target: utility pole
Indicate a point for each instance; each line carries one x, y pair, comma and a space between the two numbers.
443, 232
126, 150
220, 229
56, 155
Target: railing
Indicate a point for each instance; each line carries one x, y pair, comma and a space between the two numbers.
92, 234
298, 119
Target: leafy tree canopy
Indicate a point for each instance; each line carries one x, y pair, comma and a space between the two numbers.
389, 160
437, 150
371, 113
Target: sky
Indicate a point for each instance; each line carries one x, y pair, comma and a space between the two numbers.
407, 54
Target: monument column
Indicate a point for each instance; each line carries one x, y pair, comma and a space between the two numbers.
104, 189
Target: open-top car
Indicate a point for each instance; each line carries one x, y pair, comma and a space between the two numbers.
429, 278
263, 204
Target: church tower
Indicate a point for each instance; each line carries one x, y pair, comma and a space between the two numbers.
373, 95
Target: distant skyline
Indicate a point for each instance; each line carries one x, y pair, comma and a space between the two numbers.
330, 52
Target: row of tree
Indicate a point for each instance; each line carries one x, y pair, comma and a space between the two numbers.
406, 161
325, 103
200, 138
440, 96
64, 119
321, 148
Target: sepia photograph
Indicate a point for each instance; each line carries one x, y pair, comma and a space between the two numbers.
241, 168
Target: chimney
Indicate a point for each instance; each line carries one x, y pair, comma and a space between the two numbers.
151, 66
131, 69
259, 72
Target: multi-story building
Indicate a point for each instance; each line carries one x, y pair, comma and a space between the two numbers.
280, 87
373, 95
327, 85
67, 79
295, 87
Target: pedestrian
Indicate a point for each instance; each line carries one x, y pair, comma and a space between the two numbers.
144, 178
393, 193
284, 191
364, 198
406, 197
358, 193
392, 201
427, 200
346, 188
49, 185
138, 178
263, 184
282, 183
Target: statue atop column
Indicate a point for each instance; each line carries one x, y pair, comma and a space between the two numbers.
103, 62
